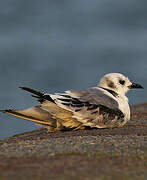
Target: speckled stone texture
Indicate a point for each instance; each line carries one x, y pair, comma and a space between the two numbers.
119, 153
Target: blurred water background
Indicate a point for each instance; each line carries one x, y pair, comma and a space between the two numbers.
54, 45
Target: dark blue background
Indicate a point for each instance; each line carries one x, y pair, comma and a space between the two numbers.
54, 45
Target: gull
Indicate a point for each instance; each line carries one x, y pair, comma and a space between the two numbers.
103, 106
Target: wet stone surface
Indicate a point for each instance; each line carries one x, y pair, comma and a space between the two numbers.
119, 153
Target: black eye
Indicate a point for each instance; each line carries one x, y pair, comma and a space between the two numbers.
122, 82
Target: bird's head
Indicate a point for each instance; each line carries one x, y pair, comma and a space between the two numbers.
118, 83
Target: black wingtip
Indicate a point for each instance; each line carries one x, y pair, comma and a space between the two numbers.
38, 93
6, 110
24, 88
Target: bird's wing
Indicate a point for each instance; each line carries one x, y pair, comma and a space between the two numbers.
96, 96
94, 107
73, 109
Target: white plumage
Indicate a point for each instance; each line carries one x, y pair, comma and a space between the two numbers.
104, 106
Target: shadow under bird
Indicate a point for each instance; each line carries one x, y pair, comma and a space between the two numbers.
103, 106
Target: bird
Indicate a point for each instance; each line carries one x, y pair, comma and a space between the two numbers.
103, 106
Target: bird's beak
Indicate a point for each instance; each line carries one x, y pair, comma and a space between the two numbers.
134, 85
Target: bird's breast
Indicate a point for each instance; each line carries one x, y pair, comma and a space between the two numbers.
125, 108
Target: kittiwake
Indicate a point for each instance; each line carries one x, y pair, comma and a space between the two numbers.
103, 106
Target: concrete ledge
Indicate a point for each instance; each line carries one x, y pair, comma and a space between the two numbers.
119, 153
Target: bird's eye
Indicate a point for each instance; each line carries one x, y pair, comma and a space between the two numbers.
122, 82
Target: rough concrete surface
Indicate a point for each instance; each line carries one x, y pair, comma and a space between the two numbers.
119, 153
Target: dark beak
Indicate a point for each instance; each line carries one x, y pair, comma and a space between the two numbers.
134, 85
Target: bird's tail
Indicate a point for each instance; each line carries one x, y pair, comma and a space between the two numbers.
34, 114
47, 113
59, 120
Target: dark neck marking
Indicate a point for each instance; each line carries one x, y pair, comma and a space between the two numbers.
111, 91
